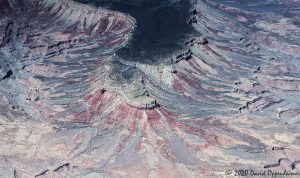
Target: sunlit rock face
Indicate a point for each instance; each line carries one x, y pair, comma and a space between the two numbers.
71, 105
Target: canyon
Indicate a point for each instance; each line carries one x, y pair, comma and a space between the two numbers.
87, 90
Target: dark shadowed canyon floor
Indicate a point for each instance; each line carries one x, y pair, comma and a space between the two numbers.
161, 28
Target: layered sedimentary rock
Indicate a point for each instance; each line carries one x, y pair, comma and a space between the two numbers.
71, 108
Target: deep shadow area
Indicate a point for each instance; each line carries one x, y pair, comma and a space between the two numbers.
161, 28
